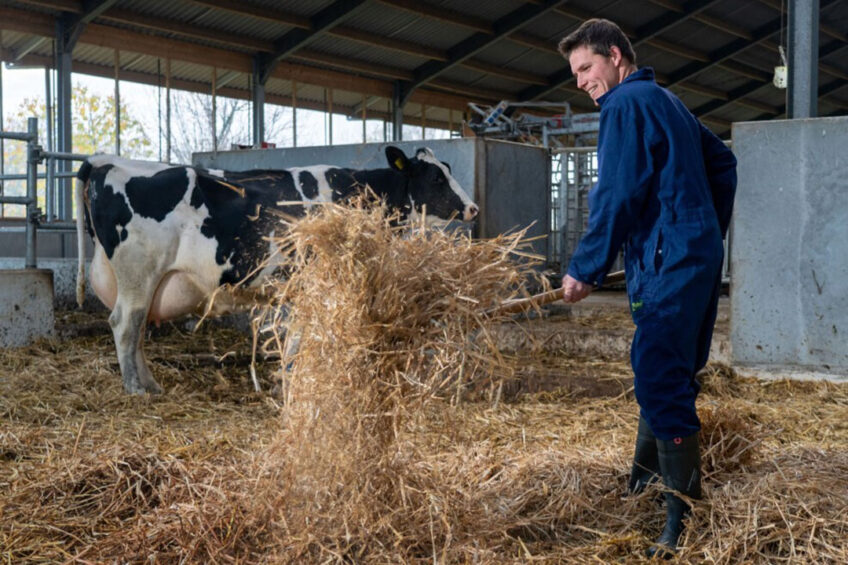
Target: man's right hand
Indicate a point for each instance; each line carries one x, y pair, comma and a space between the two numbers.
574, 290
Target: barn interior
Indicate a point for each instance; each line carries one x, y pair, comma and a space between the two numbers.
531, 467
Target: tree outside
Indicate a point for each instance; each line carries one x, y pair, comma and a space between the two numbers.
93, 132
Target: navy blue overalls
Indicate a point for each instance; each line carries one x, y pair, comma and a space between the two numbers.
665, 191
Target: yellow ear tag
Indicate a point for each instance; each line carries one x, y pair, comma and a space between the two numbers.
399, 163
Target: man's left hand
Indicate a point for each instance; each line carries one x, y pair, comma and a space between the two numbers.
574, 290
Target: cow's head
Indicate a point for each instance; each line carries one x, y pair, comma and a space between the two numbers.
431, 187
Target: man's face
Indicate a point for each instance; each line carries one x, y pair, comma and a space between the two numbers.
596, 74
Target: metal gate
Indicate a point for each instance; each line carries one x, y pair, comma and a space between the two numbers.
58, 189
574, 170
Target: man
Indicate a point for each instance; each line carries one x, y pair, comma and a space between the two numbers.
665, 192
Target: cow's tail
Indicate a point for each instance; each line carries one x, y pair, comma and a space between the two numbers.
79, 189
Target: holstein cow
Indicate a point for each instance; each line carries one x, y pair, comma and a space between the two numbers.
165, 237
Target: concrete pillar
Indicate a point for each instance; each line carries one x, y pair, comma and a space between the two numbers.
26, 306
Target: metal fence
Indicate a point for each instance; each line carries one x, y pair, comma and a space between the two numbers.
58, 192
574, 170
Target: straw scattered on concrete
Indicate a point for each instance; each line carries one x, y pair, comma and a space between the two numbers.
387, 440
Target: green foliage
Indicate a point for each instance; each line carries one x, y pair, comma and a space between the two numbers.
93, 126
93, 132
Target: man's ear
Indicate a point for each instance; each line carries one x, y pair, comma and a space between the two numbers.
397, 159
615, 55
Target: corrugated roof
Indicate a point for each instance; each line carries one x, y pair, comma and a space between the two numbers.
441, 43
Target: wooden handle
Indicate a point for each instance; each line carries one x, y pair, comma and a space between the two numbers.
523, 304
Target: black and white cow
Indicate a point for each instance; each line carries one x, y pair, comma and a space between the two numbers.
166, 237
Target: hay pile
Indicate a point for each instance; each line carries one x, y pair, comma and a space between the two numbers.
399, 452
387, 323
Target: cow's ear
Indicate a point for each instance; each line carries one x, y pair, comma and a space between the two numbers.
397, 159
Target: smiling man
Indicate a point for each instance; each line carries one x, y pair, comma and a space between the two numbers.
665, 192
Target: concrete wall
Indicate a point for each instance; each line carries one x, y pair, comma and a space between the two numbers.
57, 252
789, 293
508, 180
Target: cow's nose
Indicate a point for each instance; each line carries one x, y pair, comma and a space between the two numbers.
471, 212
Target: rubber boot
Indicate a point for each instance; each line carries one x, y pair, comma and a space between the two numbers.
680, 465
646, 467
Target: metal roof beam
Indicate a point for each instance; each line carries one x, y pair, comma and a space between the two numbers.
477, 42
90, 9
581, 15
706, 19
737, 95
329, 17
259, 12
735, 47
668, 20
824, 28
28, 47
442, 14
643, 34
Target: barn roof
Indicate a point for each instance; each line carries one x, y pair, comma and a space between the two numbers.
717, 55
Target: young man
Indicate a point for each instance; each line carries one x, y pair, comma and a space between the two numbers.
665, 192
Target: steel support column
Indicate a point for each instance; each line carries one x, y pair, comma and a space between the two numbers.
33, 152
64, 132
258, 99
117, 102
2, 141
397, 111
802, 91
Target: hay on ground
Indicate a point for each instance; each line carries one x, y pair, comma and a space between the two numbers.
370, 456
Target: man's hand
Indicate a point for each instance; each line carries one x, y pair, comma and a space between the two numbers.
574, 290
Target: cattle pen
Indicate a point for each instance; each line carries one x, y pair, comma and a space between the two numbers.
527, 467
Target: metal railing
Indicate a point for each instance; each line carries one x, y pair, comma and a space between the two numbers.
570, 205
57, 217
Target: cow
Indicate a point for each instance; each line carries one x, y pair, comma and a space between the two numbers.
166, 237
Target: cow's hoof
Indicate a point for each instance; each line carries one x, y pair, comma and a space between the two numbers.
153, 388
148, 388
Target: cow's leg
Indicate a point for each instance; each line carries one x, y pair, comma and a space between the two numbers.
128, 321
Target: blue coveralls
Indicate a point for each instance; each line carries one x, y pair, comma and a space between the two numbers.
665, 191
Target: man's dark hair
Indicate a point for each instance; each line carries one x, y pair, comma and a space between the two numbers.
599, 35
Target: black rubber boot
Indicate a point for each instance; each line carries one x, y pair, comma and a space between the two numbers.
680, 465
646, 467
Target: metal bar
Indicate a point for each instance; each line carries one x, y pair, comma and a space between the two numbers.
329, 109
363, 118
294, 113
50, 189
15, 135
117, 102
23, 176
2, 140
17, 200
168, 110
64, 131
58, 226
397, 111
32, 194
258, 104
214, 109
802, 91
64, 156
48, 105
585, 149
423, 121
